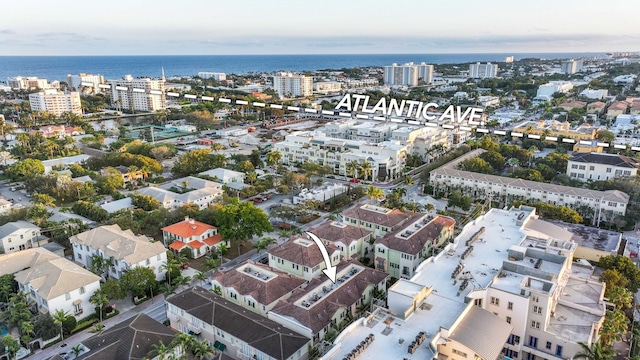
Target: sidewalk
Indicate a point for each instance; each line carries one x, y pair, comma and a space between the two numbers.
125, 313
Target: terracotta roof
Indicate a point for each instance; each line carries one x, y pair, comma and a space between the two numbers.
319, 315
257, 331
188, 228
339, 231
195, 244
417, 241
177, 245
213, 240
298, 253
264, 292
618, 105
385, 217
597, 104
573, 104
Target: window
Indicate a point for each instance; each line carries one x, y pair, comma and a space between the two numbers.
495, 301
148, 262
608, 170
459, 353
508, 319
559, 351
533, 342
510, 306
534, 298
537, 309
548, 347
535, 324
477, 302
67, 296
81, 290
158, 257
574, 166
592, 167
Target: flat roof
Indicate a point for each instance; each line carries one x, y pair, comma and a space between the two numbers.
591, 237
391, 340
572, 324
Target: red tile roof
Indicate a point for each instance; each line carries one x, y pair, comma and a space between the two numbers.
188, 228
195, 244
213, 240
177, 245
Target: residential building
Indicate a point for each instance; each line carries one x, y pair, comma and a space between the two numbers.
593, 146
554, 129
85, 83
596, 107
402, 75
595, 167
377, 219
188, 190
18, 235
233, 179
323, 193
400, 251
597, 94
217, 76
232, 329
625, 124
425, 73
255, 286
507, 286
301, 257
5, 205
56, 102
59, 131
323, 306
625, 79
570, 105
483, 71
508, 59
288, 85
139, 94
449, 177
127, 250
553, 87
199, 238
617, 108
327, 86
52, 282
134, 338
571, 66
64, 162
360, 83
489, 101
27, 83
353, 241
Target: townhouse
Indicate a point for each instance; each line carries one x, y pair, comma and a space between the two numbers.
18, 235
377, 219
353, 241
301, 257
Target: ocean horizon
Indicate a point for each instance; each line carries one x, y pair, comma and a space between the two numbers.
116, 66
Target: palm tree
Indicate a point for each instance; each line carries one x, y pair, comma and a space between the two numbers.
160, 350
367, 170
430, 207
513, 162
264, 243
202, 349
58, 318
76, 350
99, 299
217, 147
284, 233
408, 180
183, 340
352, 168
375, 193
615, 324
210, 264
597, 351
5, 156
170, 266
200, 276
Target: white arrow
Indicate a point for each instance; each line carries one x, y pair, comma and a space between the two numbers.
330, 271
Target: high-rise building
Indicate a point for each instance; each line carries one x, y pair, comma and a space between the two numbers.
27, 83
404, 75
508, 59
142, 94
425, 73
483, 71
217, 76
56, 102
288, 84
571, 66
86, 83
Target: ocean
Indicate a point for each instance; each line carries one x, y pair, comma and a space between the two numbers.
115, 67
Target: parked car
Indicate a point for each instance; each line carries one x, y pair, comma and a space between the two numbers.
354, 180
257, 199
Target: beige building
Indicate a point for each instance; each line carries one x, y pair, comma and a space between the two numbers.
353, 241
379, 220
288, 84
597, 166
301, 257
448, 177
18, 235
140, 94
56, 102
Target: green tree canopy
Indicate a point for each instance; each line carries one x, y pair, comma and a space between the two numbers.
24, 169
139, 280
240, 221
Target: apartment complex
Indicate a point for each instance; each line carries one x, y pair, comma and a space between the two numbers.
288, 85
85, 83
553, 87
483, 71
408, 74
27, 83
56, 102
571, 66
353, 241
376, 219
327, 86
507, 286
52, 282
476, 185
553, 130
187, 190
301, 257
126, 250
234, 331
597, 166
217, 76
139, 94
400, 251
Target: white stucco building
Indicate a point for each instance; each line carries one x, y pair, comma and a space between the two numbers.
142, 94
56, 102
18, 235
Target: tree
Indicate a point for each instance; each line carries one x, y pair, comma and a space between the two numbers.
184, 341
160, 350
160, 153
5, 156
139, 280
44, 326
597, 351
200, 276
113, 289
202, 349
367, 170
495, 159
59, 318
374, 193
172, 266
606, 136
476, 164
264, 243
614, 325
625, 267
99, 299
44, 199
240, 221
145, 202
273, 158
352, 168
76, 350
11, 345
24, 169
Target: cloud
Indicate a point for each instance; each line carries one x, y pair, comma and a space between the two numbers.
7, 32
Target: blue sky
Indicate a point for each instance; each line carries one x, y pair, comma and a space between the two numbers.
160, 27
